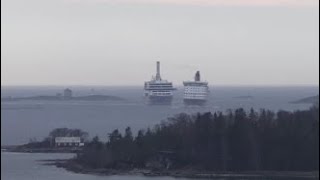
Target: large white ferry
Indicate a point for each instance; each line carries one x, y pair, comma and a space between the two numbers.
195, 92
158, 91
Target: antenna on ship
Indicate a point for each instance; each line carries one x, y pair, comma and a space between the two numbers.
197, 76
158, 77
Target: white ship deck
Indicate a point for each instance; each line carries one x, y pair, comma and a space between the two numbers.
195, 90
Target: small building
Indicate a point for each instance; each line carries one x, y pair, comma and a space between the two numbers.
67, 93
68, 142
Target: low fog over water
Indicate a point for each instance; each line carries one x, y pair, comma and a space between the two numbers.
22, 120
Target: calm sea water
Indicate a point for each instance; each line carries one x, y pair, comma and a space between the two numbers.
23, 120
24, 166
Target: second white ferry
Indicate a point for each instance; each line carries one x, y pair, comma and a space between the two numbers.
195, 92
158, 91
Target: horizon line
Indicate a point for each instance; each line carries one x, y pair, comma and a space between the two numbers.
217, 85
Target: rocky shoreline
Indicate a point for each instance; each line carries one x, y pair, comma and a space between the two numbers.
73, 166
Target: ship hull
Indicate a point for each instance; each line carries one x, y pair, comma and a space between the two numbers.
159, 100
199, 102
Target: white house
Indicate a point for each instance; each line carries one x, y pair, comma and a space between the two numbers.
68, 141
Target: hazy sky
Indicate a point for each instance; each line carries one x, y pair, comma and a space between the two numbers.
117, 42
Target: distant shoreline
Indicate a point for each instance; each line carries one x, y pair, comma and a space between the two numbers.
57, 98
307, 100
21, 149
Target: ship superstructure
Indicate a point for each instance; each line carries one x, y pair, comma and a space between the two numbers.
195, 92
158, 91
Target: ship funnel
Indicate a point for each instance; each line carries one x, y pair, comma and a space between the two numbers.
197, 76
158, 77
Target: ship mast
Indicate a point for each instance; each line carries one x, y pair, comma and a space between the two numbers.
158, 77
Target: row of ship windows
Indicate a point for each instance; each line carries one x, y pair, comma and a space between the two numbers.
158, 84
167, 88
159, 88
169, 85
187, 88
195, 94
195, 85
161, 91
196, 88
161, 94
200, 91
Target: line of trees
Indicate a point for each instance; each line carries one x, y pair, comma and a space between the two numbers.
232, 141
